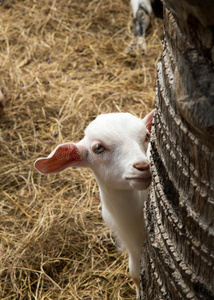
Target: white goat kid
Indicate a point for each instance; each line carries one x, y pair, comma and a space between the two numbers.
115, 148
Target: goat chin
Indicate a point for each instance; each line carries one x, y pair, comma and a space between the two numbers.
139, 184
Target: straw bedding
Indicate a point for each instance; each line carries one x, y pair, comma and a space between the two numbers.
61, 64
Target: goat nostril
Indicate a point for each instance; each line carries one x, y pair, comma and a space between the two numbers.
142, 166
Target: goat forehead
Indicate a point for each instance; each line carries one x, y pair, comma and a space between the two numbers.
115, 127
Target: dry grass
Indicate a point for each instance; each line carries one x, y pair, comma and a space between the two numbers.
61, 64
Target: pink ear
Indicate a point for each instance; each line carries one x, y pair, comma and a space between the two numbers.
62, 157
148, 120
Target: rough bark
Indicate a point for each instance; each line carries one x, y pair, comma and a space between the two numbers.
178, 257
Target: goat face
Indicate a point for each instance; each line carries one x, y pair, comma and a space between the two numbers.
117, 145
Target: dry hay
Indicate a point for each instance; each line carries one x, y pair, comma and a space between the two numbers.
61, 64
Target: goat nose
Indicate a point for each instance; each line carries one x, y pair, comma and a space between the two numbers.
142, 166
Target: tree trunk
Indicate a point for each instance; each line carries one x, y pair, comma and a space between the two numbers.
178, 257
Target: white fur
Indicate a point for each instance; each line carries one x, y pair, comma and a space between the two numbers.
122, 199
144, 3
123, 183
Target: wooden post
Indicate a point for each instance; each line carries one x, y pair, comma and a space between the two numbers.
178, 257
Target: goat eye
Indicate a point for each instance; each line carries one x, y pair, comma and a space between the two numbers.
147, 137
98, 149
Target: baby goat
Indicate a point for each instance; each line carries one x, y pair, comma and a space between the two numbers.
115, 148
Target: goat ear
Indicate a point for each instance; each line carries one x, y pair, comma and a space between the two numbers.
63, 156
148, 120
